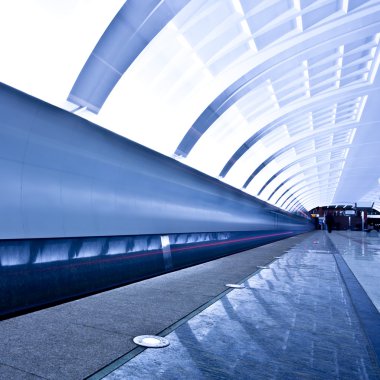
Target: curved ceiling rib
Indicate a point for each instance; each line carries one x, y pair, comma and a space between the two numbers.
296, 142
331, 34
306, 157
325, 197
300, 139
311, 185
132, 29
313, 166
305, 179
309, 104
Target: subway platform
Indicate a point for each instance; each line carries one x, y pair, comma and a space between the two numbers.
309, 309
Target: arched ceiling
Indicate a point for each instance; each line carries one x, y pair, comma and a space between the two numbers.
275, 97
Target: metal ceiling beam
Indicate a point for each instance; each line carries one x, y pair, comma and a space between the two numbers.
304, 169
299, 108
131, 30
307, 193
305, 179
307, 186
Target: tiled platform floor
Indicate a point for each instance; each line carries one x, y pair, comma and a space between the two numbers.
361, 251
294, 320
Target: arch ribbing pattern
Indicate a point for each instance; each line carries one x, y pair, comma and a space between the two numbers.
298, 49
256, 94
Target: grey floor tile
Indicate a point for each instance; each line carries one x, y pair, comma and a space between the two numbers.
10, 373
64, 351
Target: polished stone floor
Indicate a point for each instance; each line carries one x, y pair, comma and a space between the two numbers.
294, 320
361, 251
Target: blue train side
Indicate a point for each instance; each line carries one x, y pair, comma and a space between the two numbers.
84, 210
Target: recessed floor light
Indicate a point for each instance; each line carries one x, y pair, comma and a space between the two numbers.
151, 341
236, 286
261, 267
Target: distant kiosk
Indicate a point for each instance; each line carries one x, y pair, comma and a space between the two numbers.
364, 206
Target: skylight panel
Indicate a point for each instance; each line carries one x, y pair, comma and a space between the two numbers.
336, 165
322, 113
364, 61
192, 14
354, 4
286, 157
314, 17
229, 34
311, 161
341, 138
206, 24
360, 44
331, 76
255, 98
350, 58
266, 109
311, 171
276, 136
267, 15
323, 124
323, 57
335, 154
307, 3
292, 89
288, 80
321, 142
317, 70
322, 168
276, 33
300, 128
348, 103
322, 157
352, 79
333, 69
333, 80
304, 147
322, 88
344, 116
228, 59
293, 97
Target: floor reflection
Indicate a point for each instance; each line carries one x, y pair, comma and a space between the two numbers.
361, 252
293, 320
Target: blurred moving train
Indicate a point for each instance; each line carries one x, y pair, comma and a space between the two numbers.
85, 210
